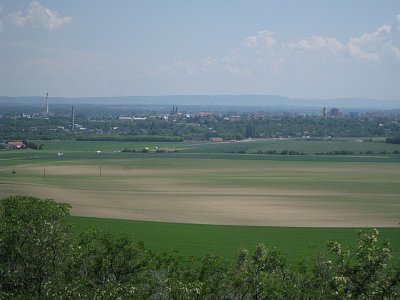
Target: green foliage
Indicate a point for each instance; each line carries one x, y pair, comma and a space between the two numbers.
102, 266
393, 140
40, 259
34, 240
35, 128
192, 278
251, 130
32, 145
362, 273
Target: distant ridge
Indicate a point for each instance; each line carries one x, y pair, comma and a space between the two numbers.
206, 100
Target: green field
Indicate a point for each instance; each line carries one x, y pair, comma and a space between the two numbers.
289, 201
303, 146
356, 145
226, 241
105, 146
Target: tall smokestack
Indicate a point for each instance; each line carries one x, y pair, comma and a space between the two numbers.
47, 103
73, 119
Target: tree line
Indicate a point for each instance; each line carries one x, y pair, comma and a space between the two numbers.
393, 140
41, 258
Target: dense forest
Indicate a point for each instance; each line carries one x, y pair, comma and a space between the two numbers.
41, 258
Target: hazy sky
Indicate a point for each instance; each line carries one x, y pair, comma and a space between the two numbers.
302, 49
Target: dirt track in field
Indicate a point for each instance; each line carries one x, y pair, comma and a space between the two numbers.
174, 196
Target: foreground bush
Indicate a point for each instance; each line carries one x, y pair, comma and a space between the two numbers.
35, 238
41, 259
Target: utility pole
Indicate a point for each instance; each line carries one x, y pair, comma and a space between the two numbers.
44, 174
100, 171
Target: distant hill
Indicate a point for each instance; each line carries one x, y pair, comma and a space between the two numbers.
207, 101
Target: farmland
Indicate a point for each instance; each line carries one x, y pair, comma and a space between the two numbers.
307, 196
355, 145
298, 243
216, 191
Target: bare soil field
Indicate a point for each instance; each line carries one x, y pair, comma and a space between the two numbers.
256, 193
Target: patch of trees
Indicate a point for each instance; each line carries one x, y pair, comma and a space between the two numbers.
40, 258
33, 145
337, 152
250, 126
293, 152
393, 140
283, 152
147, 150
32, 129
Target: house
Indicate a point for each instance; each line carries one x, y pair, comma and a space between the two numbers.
16, 145
204, 114
216, 139
125, 118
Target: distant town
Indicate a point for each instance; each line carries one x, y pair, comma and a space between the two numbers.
173, 123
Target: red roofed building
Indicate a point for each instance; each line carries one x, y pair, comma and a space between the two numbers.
216, 139
204, 113
16, 145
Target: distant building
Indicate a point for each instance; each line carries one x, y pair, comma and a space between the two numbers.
324, 113
26, 116
216, 139
193, 124
354, 114
16, 145
334, 112
204, 114
125, 118
175, 110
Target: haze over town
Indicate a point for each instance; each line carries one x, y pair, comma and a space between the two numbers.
296, 49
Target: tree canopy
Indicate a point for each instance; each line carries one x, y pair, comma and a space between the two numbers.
40, 258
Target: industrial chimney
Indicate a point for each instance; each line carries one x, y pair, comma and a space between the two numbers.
47, 103
73, 119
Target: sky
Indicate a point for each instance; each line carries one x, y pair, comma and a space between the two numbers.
312, 49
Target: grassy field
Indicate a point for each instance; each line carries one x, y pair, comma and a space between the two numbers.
356, 145
214, 191
303, 146
105, 146
198, 240
307, 196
